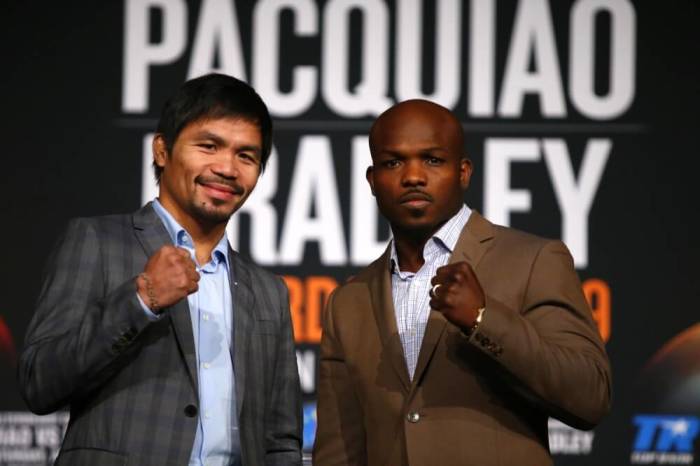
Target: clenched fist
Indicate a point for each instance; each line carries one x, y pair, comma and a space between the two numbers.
457, 294
169, 276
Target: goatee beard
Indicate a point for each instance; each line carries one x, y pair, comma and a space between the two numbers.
209, 214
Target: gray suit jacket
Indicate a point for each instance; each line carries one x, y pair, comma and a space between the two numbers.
131, 384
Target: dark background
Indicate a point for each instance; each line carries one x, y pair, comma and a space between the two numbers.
70, 151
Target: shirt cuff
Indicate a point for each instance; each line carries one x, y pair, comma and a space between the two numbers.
146, 310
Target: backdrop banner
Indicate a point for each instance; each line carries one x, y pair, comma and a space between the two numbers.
581, 119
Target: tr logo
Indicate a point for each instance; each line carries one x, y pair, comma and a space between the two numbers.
666, 433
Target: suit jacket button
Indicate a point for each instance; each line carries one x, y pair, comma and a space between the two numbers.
413, 417
190, 410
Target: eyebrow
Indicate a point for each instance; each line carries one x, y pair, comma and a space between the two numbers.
209, 135
221, 141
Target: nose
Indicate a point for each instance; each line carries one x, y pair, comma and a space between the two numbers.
413, 174
226, 167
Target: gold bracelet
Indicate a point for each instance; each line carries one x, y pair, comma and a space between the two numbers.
152, 301
479, 316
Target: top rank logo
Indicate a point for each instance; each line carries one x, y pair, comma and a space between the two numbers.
665, 439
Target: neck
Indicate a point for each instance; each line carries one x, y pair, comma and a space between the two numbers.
409, 247
205, 236
409, 243
205, 239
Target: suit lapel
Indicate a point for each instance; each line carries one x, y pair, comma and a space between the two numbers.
152, 235
243, 305
383, 306
433, 331
473, 242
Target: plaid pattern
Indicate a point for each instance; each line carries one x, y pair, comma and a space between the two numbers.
410, 291
131, 384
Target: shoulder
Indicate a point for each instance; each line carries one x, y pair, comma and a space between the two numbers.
121, 228
370, 271
511, 246
100, 228
354, 294
479, 228
529, 247
107, 225
514, 238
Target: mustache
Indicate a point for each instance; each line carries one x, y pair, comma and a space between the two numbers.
235, 187
413, 194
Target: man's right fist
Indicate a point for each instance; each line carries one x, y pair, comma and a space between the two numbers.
169, 276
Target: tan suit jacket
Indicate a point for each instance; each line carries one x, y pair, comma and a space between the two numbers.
481, 400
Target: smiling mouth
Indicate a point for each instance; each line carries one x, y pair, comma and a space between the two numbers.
219, 188
222, 192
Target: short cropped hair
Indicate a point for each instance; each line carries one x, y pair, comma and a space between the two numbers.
213, 96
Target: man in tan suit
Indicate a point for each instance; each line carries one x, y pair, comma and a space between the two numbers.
457, 344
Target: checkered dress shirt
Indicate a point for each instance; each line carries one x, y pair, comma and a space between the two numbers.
410, 290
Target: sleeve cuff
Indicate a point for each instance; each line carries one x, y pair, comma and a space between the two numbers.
147, 311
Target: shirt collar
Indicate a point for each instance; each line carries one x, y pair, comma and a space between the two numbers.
180, 237
445, 238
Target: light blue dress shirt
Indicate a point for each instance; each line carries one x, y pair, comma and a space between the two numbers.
217, 441
410, 291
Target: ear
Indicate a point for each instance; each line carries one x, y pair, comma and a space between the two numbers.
465, 172
160, 151
369, 174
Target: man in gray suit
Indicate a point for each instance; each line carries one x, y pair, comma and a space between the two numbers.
167, 346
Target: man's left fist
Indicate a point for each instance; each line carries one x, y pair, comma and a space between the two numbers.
457, 294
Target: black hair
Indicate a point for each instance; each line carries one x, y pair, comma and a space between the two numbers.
213, 96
